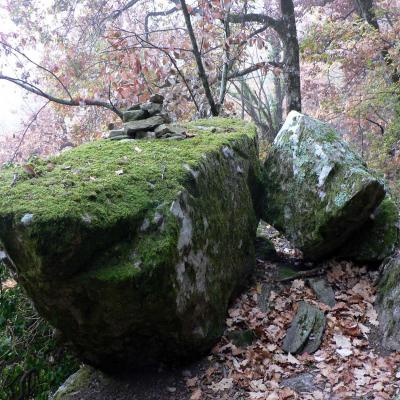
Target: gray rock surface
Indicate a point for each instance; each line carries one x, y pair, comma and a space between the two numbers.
143, 125
144, 135
315, 339
120, 137
300, 328
263, 297
161, 130
77, 383
323, 291
302, 383
388, 304
134, 107
152, 108
306, 330
116, 132
134, 115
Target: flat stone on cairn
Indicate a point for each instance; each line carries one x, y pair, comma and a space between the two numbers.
148, 121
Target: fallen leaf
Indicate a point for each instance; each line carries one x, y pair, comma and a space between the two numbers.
344, 352
192, 382
223, 384
297, 284
28, 168
196, 395
342, 341
292, 360
372, 315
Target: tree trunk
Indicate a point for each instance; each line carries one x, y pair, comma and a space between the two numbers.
292, 55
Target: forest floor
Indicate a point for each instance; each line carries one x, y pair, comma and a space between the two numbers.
248, 362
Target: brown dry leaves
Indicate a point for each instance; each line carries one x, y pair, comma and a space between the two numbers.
347, 365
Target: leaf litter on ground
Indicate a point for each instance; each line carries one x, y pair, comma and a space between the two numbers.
348, 365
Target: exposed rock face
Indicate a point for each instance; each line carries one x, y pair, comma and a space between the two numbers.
378, 237
133, 249
388, 304
318, 190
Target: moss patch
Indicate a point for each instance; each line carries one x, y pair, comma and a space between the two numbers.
74, 198
378, 238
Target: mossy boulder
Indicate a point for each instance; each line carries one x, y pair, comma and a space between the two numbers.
388, 304
378, 237
319, 190
134, 248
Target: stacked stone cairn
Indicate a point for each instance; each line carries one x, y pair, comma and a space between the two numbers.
148, 121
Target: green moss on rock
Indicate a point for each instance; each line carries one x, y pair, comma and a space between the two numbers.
76, 383
122, 245
378, 237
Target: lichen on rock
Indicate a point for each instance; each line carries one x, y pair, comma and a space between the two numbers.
318, 190
134, 249
76, 383
388, 304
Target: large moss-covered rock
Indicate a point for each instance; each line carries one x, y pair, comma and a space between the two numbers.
388, 304
319, 190
134, 248
378, 237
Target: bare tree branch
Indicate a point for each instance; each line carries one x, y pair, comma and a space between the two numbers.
156, 14
269, 22
34, 118
227, 63
37, 65
254, 68
382, 129
115, 14
72, 102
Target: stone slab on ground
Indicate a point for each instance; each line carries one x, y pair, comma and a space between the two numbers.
315, 339
323, 291
306, 330
300, 328
263, 297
